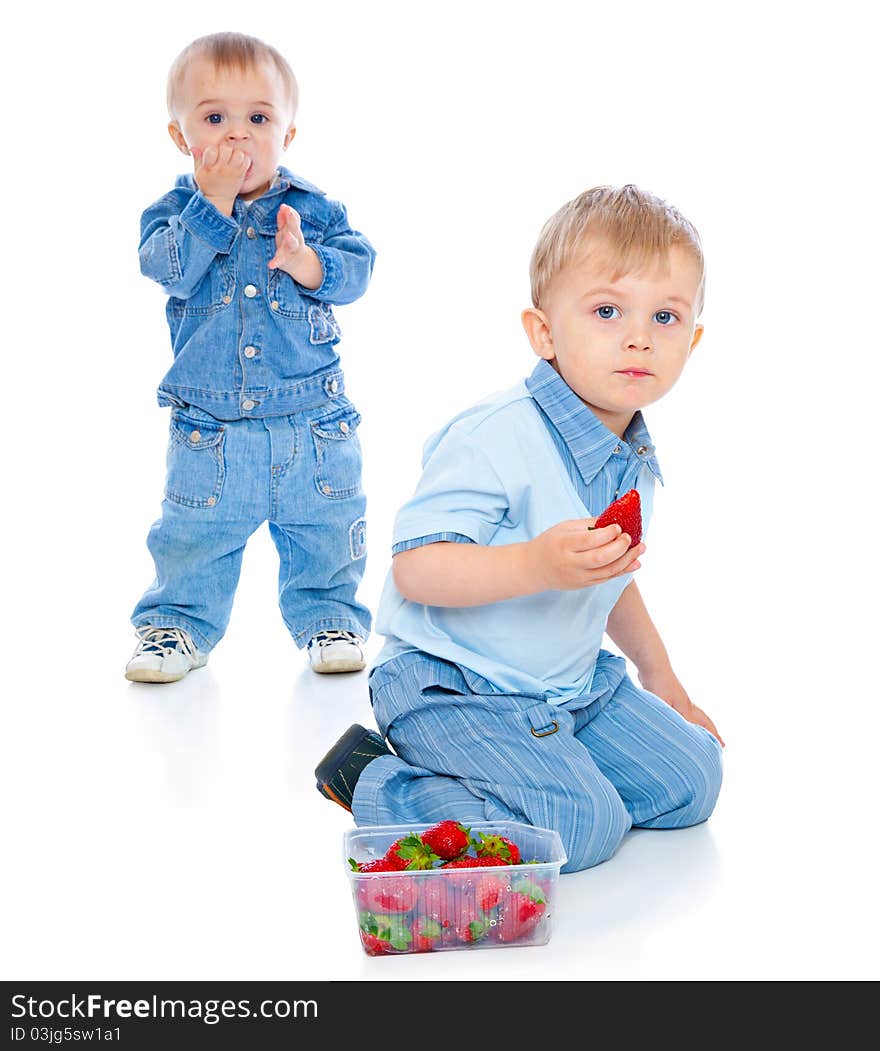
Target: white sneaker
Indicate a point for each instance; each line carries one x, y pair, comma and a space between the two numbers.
163, 655
334, 651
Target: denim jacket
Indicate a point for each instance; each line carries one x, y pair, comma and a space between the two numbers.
249, 341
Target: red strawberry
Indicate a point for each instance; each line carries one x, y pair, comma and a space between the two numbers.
438, 903
470, 923
384, 934
470, 862
489, 892
521, 911
378, 865
503, 850
627, 513
447, 840
412, 852
387, 893
425, 932
519, 917
375, 946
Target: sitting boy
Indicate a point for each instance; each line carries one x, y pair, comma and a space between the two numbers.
492, 685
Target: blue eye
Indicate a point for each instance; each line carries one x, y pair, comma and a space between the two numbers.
214, 118
259, 118
607, 312
665, 317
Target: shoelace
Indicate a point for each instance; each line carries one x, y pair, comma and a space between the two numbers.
325, 638
164, 641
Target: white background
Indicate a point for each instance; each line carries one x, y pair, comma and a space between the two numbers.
175, 832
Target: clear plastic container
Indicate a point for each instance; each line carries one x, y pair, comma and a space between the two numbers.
430, 910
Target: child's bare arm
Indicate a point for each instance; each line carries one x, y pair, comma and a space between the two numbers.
567, 557
631, 629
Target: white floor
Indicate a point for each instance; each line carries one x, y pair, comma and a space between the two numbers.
175, 832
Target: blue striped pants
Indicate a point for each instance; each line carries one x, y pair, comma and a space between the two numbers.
591, 769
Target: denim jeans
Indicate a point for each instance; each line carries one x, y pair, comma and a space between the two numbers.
300, 473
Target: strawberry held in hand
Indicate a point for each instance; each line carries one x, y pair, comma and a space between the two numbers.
625, 512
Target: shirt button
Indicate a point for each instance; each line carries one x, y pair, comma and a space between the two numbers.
334, 386
274, 304
249, 352
227, 299
250, 291
196, 436
211, 501
247, 404
326, 489
642, 449
344, 427
616, 449
251, 232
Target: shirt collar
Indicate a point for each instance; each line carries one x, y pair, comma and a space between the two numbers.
589, 441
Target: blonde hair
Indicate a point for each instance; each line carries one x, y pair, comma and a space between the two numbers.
231, 51
633, 227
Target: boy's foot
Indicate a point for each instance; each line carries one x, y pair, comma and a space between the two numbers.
334, 651
339, 770
163, 655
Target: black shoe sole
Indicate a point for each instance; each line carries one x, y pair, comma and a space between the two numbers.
329, 766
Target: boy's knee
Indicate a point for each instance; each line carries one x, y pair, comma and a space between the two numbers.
600, 822
704, 781
712, 771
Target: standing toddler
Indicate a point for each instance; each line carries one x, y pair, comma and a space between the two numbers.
252, 258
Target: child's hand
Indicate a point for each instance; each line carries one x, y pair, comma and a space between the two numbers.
289, 240
666, 685
571, 555
219, 173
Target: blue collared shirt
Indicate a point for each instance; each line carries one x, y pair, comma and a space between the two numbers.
503, 472
247, 340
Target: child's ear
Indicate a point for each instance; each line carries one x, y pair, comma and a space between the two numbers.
288, 138
177, 137
698, 335
537, 328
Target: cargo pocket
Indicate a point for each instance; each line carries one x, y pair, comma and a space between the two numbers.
338, 452
196, 466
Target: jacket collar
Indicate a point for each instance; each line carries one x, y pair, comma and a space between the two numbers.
284, 180
589, 441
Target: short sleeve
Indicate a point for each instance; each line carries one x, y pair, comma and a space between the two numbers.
459, 493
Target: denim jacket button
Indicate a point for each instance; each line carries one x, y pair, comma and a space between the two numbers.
249, 352
274, 304
326, 489
344, 427
642, 449
227, 299
251, 232
334, 386
196, 436
247, 404
250, 291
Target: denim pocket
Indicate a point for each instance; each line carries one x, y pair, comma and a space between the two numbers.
215, 292
323, 326
338, 452
196, 465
